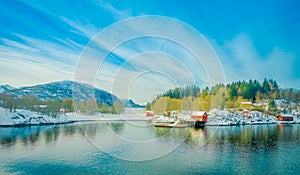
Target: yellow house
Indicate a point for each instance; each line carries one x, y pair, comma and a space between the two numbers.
246, 105
257, 106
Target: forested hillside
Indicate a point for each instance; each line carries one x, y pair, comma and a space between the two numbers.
222, 96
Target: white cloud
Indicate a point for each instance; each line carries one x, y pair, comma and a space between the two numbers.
118, 14
21, 73
18, 45
88, 30
70, 43
52, 50
241, 60
172, 57
37, 61
147, 44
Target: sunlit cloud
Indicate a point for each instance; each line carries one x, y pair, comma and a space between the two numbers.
22, 73
127, 51
17, 45
117, 14
36, 62
87, 30
45, 41
241, 60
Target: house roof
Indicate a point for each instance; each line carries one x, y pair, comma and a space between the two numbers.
257, 104
198, 113
246, 103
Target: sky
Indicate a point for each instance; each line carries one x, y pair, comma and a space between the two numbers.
137, 49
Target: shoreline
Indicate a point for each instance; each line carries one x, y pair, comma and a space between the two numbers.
124, 120
19, 125
247, 124
22, 118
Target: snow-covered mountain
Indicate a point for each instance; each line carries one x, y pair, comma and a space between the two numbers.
128, 103
5, 87
63, 90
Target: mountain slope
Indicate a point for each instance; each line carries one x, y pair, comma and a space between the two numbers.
5, 87
63, 90
128, 103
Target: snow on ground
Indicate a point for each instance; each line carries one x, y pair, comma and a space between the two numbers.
104, 117
23, 117
222, 117
129, 114
217, 117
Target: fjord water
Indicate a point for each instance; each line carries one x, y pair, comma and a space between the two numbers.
107, 147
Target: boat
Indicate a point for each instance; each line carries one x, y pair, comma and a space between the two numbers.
167, 125
180, 126
177, 124
163, 122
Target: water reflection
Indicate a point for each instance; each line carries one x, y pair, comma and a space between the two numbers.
255, 136
197, 137
117, 127
64, 149
162, 132
8, 141
30, 135
51, 135
90, 129
266, 136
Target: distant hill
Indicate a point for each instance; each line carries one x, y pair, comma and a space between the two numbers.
128, 103
63, 90
5, 87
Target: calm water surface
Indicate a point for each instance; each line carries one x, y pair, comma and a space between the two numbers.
140, 148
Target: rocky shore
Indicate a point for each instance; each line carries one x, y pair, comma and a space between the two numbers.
226, 118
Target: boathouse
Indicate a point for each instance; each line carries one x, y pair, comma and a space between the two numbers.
285, 117
199, 115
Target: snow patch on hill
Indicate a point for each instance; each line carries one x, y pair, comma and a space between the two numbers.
23, 117
5, 87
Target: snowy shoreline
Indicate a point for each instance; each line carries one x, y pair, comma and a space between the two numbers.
218, 117
254, 123
239, 118
21, 118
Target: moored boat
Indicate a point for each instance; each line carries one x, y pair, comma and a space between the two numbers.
168, 125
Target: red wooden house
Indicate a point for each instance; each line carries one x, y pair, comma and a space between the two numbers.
285, 117
200, 115
149, 114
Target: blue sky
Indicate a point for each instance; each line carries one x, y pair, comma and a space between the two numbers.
43, 41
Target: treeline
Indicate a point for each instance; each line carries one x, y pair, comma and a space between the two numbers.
246, 89
52, 107
222, 96
253, 90
179, 92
